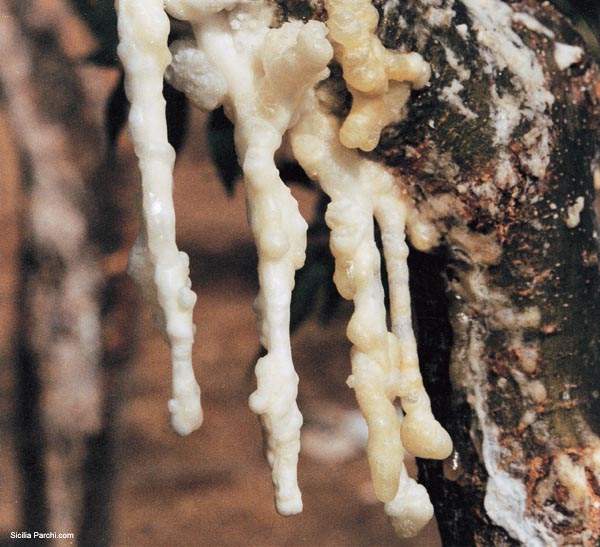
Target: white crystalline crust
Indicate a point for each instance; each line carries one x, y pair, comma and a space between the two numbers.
503, 49
574, 211
566, 55
191, 72
266, 77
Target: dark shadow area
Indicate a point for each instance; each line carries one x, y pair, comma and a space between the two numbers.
237, 264
28, 420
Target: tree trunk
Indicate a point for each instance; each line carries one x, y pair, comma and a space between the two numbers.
501, 152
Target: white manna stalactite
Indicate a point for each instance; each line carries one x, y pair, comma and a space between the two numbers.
265, 77
155, 262
384, 364
266, 73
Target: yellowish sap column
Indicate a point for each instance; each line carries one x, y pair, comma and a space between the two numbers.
422, 435
357, 276
378, 79
155, 262
384, 364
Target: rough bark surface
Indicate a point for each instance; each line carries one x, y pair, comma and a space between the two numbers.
521, 272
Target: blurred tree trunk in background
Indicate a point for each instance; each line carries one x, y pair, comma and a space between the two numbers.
500, 152
71, 293
10, 180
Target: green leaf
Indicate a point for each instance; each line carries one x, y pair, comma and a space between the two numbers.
314, 285
309, 281
177, 115
103, 58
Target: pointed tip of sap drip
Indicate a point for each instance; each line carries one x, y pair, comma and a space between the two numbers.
411, 510
185, 418
425, 438
290, 506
